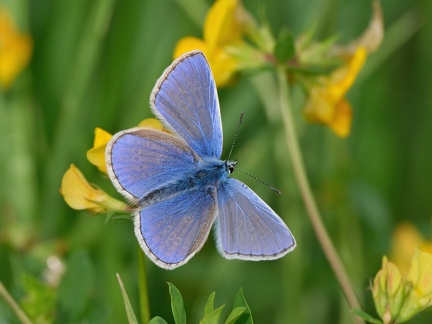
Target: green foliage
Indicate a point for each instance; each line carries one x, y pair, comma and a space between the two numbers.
209, 306
213, 317
76, 287
240, 302
128, 307
284, 48
39, 301
240, 313
235, 314
366, 316
177, 305
157, 320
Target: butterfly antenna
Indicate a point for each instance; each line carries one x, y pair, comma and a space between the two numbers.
233, 165
260, 181
236, 133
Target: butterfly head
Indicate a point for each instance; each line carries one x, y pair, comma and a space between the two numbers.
231, 165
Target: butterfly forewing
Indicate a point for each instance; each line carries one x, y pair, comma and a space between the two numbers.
141, 160
185, 98
248, 228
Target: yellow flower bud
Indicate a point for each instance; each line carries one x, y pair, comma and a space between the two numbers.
389, 291
398, 299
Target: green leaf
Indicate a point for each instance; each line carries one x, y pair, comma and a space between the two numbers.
213, 317
39, 301
240, 301
76, 286
144, 305
157, 320
313, 70
235, 315
366, 316
284, 48
177, 305
209, 307
129, 310
108, 217
113, 216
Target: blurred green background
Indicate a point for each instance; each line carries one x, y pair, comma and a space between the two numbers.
94, 64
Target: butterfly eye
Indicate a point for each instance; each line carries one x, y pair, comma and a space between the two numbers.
231, 166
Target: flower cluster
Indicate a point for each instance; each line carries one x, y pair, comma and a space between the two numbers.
79, 193
234, 42
398, 298
15, 49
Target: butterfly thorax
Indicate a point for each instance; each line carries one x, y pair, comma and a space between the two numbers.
205, 175
211, 171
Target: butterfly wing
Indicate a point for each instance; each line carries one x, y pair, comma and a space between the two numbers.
248, 229
172, 231
185, 98
140, 160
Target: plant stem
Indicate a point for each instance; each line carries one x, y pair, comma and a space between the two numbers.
13, 305
142, 288
306, 193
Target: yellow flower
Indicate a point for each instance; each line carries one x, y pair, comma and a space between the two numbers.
420, 276
405, 239
226, 23
15, 50
96, 155
152, 123
389, 291
326, 103
398, 298
79, 194
76, 190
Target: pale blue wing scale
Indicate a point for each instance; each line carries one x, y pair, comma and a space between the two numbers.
141, 160
185, 98
248, 228
172, 231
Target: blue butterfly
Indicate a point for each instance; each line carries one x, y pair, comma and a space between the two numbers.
180, 185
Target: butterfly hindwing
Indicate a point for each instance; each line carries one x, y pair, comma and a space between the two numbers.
185, 98
248, 228
140, 160
172, 231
